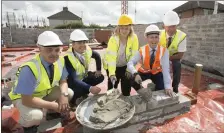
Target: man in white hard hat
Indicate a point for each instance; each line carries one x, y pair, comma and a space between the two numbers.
41, 81
77, 60
154, 61
175, 41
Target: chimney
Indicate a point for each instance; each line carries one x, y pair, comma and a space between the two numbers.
65, 8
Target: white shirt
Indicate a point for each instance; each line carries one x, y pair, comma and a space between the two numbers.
182, 47
164, 64
81, 57
121, 58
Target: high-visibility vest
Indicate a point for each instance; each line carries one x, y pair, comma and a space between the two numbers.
145, 62
178, 38
110, 57
81, 69
43, 85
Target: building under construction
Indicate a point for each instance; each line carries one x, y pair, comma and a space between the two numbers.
198, 107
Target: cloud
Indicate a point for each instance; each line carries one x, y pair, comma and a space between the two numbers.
98, 12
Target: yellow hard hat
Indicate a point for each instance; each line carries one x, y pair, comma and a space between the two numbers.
125, 20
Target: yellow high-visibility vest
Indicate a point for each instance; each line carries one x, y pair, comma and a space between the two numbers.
43, 85
81, 70
110, 57
178, 38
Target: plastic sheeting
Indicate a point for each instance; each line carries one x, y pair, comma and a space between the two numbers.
206, 116
10, 121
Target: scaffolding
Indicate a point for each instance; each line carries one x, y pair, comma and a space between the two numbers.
124, 7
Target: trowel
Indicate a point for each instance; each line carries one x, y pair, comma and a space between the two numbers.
111, 95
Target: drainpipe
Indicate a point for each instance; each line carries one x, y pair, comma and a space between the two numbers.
197, 78
215, 7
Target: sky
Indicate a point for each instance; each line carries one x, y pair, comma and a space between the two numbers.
97, 12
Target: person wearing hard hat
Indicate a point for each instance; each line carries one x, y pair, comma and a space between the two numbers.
77, 60
41, 81
122, 45
175, 41
154, 60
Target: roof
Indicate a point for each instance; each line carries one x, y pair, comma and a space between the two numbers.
198, 4
65, 14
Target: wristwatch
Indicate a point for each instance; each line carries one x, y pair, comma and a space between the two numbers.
65, 94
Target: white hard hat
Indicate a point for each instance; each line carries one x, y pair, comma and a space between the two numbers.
171, 18
152, 29
78, 35
48, 38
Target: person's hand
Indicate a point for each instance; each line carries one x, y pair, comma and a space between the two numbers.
95, 90
169, 92
113, 78
128, 74
63, 104
54, 106
98, 74
138, 79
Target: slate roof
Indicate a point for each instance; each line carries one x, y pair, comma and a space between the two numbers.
65, 14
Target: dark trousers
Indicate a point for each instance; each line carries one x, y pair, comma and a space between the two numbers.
125, 82
176, 66
91, 80
157, 79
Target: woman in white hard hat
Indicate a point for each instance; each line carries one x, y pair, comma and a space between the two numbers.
37, 85
122, 45
175, 41
77, 60
154, 61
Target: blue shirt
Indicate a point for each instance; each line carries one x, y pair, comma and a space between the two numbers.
164, 64
27, 81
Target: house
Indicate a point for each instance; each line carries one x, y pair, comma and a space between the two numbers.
193, 8
63, 17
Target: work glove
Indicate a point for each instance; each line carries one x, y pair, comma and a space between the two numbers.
113, 78
128, 75
138, 79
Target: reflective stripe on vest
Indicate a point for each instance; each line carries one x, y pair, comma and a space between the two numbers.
178, 38
145, 59
81, 70
43, 86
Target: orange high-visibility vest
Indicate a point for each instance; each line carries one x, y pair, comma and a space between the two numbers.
145, 59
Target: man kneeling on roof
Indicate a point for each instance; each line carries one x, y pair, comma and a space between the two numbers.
77, 60
41, 82
154, 60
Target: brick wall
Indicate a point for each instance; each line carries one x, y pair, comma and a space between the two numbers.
187, 14
28, 37
198, 11
205, 41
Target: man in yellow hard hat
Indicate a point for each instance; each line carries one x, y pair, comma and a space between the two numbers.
154, 60
41, 81
175, 40
77, 60
122, 45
